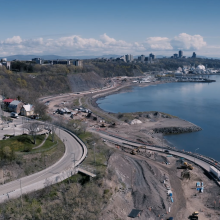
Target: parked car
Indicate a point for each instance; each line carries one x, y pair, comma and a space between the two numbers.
14, 115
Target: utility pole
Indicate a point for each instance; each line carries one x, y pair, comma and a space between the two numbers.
195, 155
94, 151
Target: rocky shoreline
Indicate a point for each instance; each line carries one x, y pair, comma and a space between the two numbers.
177, 130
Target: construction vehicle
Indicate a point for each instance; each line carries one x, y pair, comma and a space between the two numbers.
187, 166
195, 213
137, 150
194, 216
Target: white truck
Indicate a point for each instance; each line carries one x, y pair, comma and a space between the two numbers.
14, 115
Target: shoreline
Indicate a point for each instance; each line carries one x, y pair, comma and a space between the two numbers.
121, 89
159, 136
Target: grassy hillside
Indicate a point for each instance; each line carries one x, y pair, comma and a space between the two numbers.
75, 198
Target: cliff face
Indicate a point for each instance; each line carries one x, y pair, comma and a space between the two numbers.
177, 130
84, 81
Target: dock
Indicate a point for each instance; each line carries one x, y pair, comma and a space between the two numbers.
201, 80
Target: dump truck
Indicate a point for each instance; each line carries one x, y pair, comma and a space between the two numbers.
187, 166
136, 150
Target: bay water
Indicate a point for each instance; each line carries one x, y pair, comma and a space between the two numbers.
198, 103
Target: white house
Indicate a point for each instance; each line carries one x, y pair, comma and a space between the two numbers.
27, 110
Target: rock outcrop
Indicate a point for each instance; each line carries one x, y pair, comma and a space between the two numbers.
177, 130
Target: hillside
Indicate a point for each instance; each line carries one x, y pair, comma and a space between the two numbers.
84, 81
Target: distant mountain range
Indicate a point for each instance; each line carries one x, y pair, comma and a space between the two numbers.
55, 57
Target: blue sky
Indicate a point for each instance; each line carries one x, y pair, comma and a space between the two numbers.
96, 27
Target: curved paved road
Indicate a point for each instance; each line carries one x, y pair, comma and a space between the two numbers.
200, 160
56, 173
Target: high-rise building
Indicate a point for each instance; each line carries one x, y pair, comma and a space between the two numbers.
180, 54
129, 58
141, 58
175, 55
194, 55
151, 55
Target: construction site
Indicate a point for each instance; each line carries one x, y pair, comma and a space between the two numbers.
147, 183
159, 186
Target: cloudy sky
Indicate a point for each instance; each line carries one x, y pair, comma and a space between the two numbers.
98, 27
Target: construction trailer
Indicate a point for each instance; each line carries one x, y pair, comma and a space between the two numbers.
215, 171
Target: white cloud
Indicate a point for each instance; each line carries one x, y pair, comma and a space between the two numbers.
77, 45
13, 40
158, 43
188, 42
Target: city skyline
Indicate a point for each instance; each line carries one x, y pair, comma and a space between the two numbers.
98, 28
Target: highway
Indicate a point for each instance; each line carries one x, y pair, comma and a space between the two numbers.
200, 160
62, 169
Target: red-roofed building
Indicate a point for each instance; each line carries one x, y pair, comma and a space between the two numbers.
7, 103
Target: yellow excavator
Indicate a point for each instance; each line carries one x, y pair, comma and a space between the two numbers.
137, 149
187, 166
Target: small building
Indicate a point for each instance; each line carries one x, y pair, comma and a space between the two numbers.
27, 110
63, 62
7, 64
78, 63
6, 103
37, 60
15, 106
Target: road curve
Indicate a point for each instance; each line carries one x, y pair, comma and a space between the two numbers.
200, 160
59, 171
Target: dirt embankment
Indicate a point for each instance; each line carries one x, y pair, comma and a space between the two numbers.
85, 81
139, 187
139, 184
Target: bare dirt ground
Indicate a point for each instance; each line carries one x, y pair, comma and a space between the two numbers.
139, 183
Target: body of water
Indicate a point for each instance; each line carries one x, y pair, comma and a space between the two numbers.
198, 103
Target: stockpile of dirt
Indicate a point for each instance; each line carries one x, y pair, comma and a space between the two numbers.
85, 81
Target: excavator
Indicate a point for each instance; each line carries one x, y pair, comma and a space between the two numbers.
187, 166
137, 150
